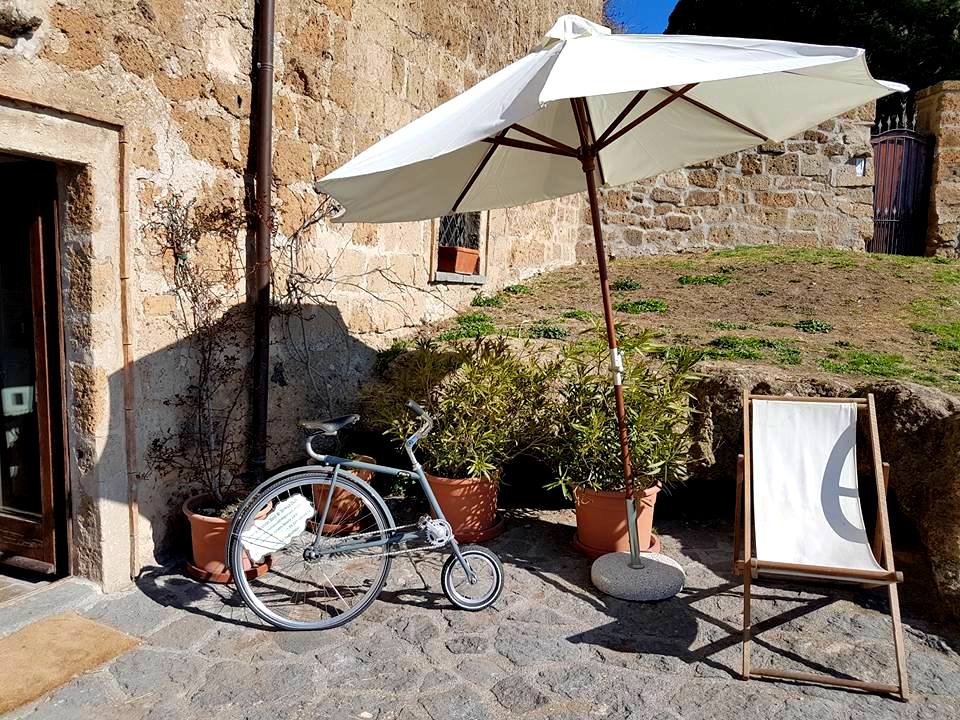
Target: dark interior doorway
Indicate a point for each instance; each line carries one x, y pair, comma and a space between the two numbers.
33, 507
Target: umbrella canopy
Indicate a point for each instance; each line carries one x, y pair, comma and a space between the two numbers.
654, 103
589, 108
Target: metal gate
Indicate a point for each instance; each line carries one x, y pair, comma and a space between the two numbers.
901, 161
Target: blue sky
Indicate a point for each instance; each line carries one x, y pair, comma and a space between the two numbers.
643, 16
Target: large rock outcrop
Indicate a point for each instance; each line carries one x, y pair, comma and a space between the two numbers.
919, 436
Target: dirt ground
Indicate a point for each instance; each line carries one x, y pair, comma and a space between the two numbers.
818, 311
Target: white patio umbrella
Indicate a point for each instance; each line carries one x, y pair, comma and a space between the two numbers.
589, 108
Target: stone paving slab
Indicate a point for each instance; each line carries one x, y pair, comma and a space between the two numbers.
553, 648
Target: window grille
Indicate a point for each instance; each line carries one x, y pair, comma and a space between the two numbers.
460, 230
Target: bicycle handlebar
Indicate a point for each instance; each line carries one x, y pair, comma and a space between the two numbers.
427, 422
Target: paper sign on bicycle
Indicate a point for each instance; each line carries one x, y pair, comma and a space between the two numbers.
279, 528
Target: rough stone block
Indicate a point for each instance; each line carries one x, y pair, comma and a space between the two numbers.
665, 195
292, 160
817, 136
799, 146
800, 239
803, 220
705, 178
776, 199
675, 179
786, 164
751, 164
845, 176
702, 197
814, 165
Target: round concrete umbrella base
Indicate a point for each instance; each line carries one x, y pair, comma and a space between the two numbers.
658, 579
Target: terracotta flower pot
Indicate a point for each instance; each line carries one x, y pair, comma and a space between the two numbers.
465, 261
208, 538
602, 521
344, 506
470, 506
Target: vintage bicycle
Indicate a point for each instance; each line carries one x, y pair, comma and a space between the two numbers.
328, 539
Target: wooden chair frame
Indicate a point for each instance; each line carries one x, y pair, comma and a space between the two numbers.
743, 558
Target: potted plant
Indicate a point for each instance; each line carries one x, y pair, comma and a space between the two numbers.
344, 506
462, 260
585, 447
488, 404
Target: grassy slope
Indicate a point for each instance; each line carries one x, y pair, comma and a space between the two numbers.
811, 310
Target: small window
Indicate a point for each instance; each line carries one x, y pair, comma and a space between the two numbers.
458, 241
460, 230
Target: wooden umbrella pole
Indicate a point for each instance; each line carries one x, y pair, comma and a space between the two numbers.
589, 161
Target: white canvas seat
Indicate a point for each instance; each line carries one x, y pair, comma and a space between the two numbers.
799, 513
805, 495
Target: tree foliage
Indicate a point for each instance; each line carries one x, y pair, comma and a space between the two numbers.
916, 42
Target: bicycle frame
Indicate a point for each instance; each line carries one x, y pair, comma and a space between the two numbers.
338, 463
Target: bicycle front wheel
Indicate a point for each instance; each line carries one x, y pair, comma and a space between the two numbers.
320, 576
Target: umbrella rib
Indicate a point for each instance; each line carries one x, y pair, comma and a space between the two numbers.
593, 140
476, 173
584, 140
620, 118
543, 138
718, 114
674, 94
524, 145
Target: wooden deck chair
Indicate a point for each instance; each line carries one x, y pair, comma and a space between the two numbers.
797, 491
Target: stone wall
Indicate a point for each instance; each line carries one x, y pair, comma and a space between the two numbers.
174, 74
938, 113
804, 191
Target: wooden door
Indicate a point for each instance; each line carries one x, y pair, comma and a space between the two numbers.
28, 513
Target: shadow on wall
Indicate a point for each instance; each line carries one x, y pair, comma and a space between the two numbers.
191, 418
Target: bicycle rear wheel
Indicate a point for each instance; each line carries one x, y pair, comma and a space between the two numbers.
310, 587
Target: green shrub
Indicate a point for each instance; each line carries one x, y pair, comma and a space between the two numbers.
544, 330
584, 449
489, 403
635, 307
704, 279
813, 326
625, 284
481, 300
519, 289
471, 325
734, 347
385, 357
578, 315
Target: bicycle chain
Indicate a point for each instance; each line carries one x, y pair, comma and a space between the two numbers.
392, 553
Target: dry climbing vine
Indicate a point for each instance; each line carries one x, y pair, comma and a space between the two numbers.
206, 272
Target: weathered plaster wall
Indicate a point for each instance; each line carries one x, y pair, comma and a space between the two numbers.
938, 113
804, 191
175, 74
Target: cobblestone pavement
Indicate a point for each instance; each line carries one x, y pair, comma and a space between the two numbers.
553, 648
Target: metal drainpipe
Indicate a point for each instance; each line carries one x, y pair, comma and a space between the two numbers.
264, 180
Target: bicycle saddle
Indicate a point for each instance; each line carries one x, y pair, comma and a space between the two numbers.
329, 427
